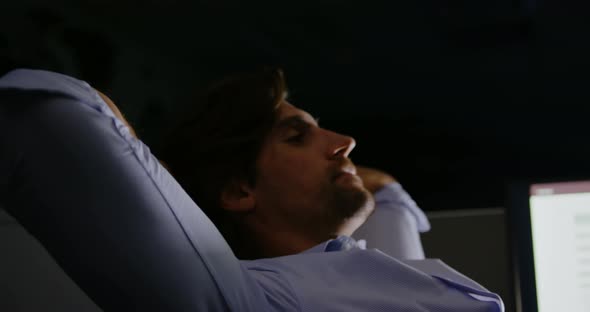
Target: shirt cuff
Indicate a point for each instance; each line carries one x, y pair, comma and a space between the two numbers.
394, 195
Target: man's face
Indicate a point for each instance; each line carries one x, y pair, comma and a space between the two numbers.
306, 183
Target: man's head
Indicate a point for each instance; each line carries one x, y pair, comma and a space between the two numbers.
271, 179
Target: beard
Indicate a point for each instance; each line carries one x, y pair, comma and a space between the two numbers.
346, 205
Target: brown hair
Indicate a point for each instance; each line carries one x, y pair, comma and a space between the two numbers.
221, 141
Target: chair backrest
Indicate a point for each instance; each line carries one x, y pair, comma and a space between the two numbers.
30, 280
475, 243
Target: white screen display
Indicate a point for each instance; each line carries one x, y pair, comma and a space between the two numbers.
560, 225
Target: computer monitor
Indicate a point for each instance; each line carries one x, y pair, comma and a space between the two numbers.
550, 234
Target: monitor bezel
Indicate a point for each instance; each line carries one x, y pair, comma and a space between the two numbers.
521, 241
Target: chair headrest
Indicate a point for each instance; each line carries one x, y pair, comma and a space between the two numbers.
5, 218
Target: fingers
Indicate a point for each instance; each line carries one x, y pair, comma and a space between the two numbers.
116, 111
374, 179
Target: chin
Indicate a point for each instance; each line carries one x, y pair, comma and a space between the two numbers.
351, 224
353, 202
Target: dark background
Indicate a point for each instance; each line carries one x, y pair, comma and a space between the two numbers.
455, 98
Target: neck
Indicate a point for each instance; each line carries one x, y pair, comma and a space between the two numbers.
267, 240
272, 242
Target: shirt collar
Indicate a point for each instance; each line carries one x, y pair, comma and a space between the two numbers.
341, 243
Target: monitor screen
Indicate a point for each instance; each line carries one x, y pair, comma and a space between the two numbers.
552, 244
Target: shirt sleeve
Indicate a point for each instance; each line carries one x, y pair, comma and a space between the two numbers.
102, 205
395, 225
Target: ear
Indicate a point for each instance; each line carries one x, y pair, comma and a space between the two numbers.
237, 196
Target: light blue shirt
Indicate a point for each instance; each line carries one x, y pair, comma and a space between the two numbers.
128, 234
395, 225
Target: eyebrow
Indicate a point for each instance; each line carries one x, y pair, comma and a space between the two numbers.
295, 121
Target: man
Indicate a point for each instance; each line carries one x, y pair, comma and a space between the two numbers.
120, 225
275, 183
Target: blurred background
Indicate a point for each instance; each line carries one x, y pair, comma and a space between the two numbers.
455, 98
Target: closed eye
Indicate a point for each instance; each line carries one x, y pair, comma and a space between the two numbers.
295, 129
297, 138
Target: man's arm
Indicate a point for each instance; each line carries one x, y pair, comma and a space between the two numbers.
74, 176
397, 221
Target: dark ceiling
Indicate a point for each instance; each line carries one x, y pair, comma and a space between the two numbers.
456, 98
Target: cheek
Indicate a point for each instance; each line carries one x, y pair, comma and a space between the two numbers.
294, 173
306, 174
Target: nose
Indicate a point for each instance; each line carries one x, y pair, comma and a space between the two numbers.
341, 146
